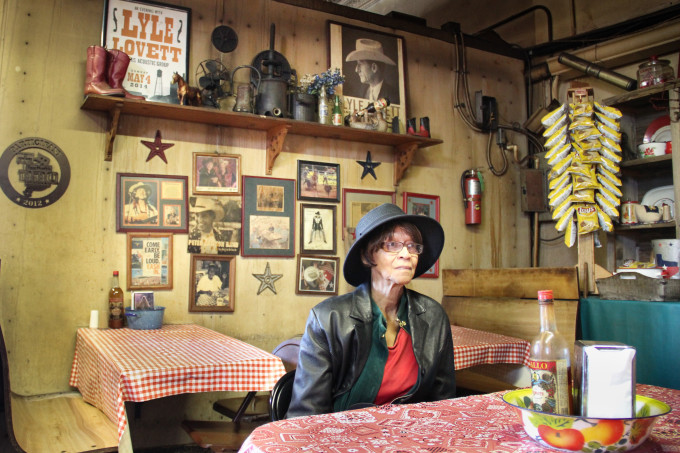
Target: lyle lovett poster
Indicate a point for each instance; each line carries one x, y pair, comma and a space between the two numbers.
156, 38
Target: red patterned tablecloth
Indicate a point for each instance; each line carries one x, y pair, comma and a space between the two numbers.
111, 366
476, 347
481, 423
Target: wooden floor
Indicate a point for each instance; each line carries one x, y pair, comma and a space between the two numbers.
62, 423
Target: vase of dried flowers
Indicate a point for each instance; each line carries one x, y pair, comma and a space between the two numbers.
322, 85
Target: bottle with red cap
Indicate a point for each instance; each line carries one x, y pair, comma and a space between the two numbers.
549, 363
116, 301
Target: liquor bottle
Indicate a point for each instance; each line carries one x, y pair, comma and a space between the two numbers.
549, 363
337, 112
323, 107
116, 301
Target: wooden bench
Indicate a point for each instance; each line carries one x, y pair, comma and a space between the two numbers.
504, 301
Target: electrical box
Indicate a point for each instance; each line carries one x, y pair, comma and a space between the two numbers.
486, 112
533, 187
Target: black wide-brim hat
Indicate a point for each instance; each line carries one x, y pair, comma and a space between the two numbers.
356, 272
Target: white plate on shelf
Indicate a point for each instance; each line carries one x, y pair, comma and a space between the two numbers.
663, 134
659, 196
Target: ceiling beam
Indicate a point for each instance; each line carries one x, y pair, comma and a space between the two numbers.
402, 22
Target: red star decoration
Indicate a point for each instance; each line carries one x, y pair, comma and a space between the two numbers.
157, 148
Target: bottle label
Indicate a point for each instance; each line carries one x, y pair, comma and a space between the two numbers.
337, 119
115, 308
550, 386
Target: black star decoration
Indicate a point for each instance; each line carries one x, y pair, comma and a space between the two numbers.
267, 280
157, 147
369, 166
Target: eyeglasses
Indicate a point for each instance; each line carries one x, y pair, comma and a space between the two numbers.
395, 247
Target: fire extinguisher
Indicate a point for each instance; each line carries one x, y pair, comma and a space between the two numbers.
471, 187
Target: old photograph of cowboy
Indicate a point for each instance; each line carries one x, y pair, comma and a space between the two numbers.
372, 64
214, 226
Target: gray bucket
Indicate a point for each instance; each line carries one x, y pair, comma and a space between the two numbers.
145, 319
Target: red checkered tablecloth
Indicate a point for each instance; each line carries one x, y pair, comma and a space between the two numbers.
111, 366
476, 347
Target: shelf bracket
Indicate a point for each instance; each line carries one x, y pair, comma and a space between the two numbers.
405, 153
275, 138
114, 114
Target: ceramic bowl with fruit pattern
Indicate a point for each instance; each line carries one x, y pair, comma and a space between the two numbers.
588, 435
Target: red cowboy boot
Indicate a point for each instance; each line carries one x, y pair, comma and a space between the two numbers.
411, 126
95, 77
424, 127
118, 62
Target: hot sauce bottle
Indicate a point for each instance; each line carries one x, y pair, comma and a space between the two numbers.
549, 363
116, 309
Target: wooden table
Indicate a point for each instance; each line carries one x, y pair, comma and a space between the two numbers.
479, 423
112, 366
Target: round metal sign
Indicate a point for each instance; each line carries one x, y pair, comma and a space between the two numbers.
34, 172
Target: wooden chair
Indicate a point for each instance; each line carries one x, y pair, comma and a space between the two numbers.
281, 395
256, 408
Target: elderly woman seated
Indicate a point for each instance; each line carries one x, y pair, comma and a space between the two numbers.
382, 343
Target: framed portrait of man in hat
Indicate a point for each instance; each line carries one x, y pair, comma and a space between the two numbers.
317, 229
151, 203
317, 275
373, 65
214, 225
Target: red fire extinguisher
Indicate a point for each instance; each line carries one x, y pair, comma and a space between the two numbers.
471, 187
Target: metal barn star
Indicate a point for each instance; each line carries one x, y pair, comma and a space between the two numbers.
157, 147
267, 280
369, 166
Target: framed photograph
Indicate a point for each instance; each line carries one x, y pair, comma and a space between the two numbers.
356, 203
156, 38
373, 65
149, 261
268, 217
142, 300
317, 275
212, 283
427, 205
317, 229
154, 203
318, 181
214, 225
217, 174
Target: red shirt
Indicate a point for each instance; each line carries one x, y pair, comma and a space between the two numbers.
401, 369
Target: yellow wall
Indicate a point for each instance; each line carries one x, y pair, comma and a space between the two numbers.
57, 261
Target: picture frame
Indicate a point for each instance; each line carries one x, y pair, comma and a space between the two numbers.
317, 275
152, 203
317, 229
427, 205
268, 217
216, 174
154, 57
318, 181
356, 203
142, 300
217, 232
389, 52
212, 294
149, 261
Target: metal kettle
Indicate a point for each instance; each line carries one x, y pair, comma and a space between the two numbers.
244, 94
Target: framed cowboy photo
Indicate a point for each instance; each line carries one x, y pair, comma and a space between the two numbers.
153, 203
215, 225
318, 181
356, 203
373, 65
317, 275
212, 283
317, 229
217, 174
427, 205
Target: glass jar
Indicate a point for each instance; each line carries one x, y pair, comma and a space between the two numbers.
654, 72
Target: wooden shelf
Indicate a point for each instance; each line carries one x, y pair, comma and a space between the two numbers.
645, 226
276, 128
643, 97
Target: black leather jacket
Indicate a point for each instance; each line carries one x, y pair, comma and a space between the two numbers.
336, 342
